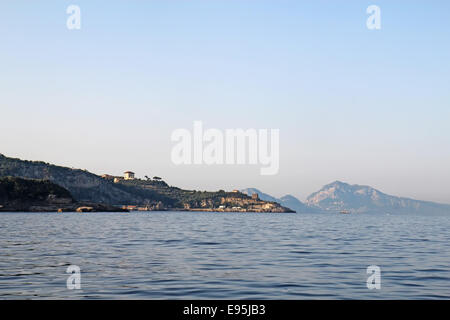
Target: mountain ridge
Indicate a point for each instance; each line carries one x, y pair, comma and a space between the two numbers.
341, 196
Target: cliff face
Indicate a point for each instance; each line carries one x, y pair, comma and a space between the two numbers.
83, 185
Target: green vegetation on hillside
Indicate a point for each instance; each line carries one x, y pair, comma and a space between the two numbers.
24, 190
178, 197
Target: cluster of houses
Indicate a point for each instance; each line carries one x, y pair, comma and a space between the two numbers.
159, 206
235, 202
238, 203
253, 204
127, 175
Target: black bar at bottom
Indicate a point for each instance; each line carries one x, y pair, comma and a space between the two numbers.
221, 309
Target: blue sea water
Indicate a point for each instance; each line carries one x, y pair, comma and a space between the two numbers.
184, 255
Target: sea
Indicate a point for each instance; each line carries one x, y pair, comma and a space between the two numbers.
207, 255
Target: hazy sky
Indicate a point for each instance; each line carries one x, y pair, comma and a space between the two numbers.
362, 106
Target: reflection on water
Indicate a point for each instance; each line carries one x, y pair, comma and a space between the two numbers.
182, 255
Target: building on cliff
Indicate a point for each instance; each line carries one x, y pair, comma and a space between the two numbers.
128, 175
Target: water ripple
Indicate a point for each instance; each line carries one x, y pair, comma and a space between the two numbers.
161, 255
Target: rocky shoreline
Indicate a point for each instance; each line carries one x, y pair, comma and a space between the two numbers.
55, 207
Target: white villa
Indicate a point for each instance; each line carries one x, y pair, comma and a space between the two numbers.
128, 175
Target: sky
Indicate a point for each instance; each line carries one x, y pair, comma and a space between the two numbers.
368, 107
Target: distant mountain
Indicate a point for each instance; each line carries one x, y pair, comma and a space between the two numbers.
339, 196
286, 201
295, 204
